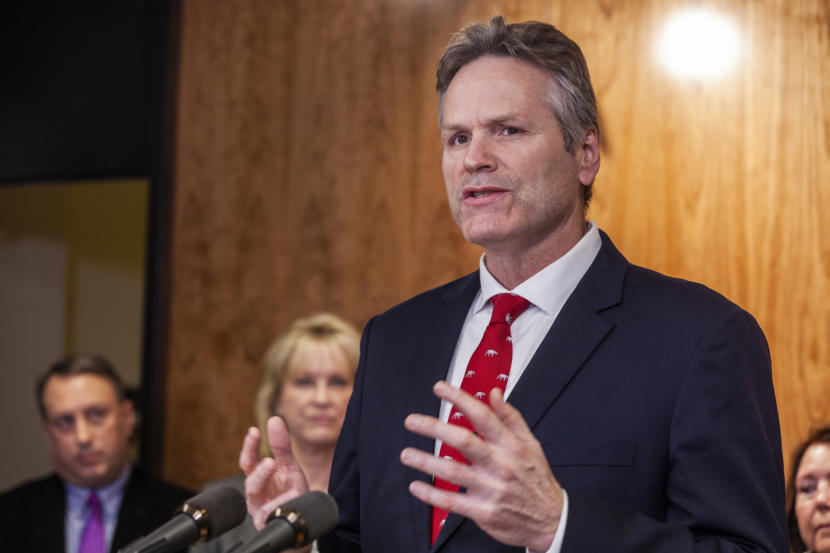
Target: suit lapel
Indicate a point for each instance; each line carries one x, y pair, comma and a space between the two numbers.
133, 516
437, 343
51, 515
559, 358
576, 333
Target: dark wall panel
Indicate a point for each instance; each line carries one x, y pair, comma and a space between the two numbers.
79, 88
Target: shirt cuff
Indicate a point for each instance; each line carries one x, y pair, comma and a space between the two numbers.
556, 545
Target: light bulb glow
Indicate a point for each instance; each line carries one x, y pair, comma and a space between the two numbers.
699, 44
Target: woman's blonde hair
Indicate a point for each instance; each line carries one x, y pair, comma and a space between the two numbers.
320, 329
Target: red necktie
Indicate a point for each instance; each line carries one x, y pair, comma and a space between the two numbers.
488, 368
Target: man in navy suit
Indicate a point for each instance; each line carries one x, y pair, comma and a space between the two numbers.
641, 414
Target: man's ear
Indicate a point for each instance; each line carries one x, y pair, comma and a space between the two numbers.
128, 415
587, 153
48, 432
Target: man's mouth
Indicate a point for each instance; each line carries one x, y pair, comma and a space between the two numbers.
482, 193
88, 458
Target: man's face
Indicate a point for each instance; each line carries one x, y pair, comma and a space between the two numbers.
87, 429
512, 186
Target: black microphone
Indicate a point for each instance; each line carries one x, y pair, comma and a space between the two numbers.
200, 518
295, 524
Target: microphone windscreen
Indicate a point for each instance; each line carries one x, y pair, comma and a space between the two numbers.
224, 508
319, 510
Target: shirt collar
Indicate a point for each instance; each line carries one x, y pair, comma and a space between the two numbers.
549, 288
77, 496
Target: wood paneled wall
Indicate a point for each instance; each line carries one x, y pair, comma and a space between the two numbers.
307, 177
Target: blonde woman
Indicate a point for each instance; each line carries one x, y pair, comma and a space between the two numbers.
307, 377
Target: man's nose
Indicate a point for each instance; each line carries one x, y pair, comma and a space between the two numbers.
83, 432
478, 156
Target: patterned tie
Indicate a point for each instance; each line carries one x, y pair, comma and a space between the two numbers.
488, 368
92, 537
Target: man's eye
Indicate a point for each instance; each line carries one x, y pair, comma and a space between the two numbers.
459, 139
64, 423
511, 130
96, 415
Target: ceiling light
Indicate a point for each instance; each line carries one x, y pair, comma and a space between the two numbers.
698, 43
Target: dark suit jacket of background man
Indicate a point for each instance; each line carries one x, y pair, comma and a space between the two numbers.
32, 514
652, 398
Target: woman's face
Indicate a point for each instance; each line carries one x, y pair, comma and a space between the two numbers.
812, 498
317, 387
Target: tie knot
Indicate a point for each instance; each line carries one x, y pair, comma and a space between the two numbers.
94, 502
506, 307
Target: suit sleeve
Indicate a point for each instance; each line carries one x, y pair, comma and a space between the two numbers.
724, 485
344, 483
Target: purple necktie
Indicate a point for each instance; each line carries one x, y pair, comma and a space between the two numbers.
92, 537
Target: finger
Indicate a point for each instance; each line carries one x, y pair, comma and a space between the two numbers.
479, 414
268, 509
291, 474
249, 456
278, 440
257, 489
447, 500
462, 439
256, 482
260, 514
448, 470
460, 399
530, 527
509, 415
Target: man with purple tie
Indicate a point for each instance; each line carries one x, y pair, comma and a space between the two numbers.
96, 501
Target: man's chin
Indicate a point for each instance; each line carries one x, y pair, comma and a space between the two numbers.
482, 235
91, 477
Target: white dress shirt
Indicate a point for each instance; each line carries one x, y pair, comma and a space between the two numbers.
547, 292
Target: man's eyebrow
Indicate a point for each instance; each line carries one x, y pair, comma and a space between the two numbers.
500, 119
505, 118
448, 127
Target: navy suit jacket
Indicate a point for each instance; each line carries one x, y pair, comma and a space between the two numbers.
32, 515
651, 396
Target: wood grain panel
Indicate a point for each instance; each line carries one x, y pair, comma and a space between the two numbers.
307, 177
301, 184
722, 182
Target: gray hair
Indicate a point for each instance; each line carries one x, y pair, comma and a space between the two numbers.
573, 101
